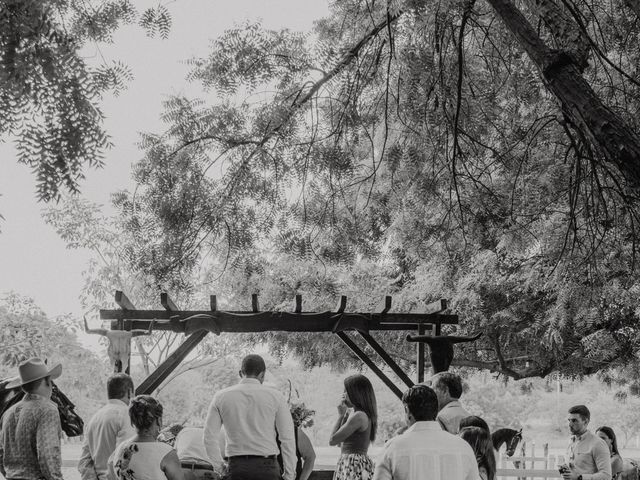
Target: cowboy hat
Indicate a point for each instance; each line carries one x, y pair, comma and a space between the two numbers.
32, 370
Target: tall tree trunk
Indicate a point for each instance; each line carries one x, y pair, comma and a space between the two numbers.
606, 130
567, 33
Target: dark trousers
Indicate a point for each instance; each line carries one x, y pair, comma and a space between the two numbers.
254, 468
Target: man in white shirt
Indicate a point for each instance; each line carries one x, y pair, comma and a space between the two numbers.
448, 388
425, 450
109, 427
249, 412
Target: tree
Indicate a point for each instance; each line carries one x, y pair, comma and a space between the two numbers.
462, 152
49, 96
82, 225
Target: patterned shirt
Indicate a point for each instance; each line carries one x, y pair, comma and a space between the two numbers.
30, 440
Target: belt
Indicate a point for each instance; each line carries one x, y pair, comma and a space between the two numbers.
196, 466
243, 457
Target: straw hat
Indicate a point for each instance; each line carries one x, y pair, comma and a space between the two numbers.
32, 370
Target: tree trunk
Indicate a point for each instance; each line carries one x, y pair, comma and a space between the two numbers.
606, 130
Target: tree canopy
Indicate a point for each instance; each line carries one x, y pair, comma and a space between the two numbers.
481, 151
49, 95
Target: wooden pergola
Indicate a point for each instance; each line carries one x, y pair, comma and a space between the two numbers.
196, 324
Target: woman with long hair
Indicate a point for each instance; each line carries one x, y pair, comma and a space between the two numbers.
354, 431
143, 457
480, 442
608, 435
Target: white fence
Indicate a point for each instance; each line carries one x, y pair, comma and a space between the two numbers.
529, 467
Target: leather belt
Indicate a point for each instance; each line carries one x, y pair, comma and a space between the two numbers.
196, 466
271, 457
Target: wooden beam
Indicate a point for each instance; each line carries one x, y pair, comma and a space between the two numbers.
369, 363
438, 306
420, 353
255, 306
213, 301
167, 303
387, 304
387, 359
298, 308
123, 302
247, 322
160, 374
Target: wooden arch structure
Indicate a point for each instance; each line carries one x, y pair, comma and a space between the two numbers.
196, 324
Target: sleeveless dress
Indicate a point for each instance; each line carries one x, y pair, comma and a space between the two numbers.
354, 463
140, 460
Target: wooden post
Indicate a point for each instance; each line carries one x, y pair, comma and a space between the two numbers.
369, 363
420, 351
125, 304
387, 358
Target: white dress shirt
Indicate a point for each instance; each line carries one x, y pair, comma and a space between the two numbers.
189, 444
249, 412
427, 451
107, 429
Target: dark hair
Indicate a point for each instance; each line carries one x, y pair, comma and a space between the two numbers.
608, 431
363, 398
480, 442
118, 385
253, 365
144, 411
582, 411
422, 402
474, 421
33, 386
451, 382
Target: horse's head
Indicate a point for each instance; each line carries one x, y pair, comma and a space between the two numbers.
512, 443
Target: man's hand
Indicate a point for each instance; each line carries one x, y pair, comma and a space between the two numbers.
570, 475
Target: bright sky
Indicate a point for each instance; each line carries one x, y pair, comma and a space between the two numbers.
33, 260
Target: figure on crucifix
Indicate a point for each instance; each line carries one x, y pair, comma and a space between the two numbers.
441, 348
119, 348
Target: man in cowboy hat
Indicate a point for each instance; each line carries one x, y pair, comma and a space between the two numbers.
30, 437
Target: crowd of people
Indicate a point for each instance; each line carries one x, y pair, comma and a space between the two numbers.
249, 433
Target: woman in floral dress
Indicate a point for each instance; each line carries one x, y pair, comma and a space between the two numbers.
356, 429
143, 457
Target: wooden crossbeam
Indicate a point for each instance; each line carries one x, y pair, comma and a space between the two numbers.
246, 322
123, 302
160, 374
369, 363
391, 363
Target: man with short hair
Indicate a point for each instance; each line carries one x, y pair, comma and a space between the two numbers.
109, 427
588, 455
31, 430
425, 450
252, 414
448, 388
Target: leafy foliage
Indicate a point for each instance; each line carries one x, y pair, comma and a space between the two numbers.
49, 96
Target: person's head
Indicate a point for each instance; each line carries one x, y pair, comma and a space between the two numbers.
359, 394
35, 377
448, 387
480, 442
608, 435
474, 421
169, 434
253, 366
146, 415
578, 419
43, 386
120, 387
420, 404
